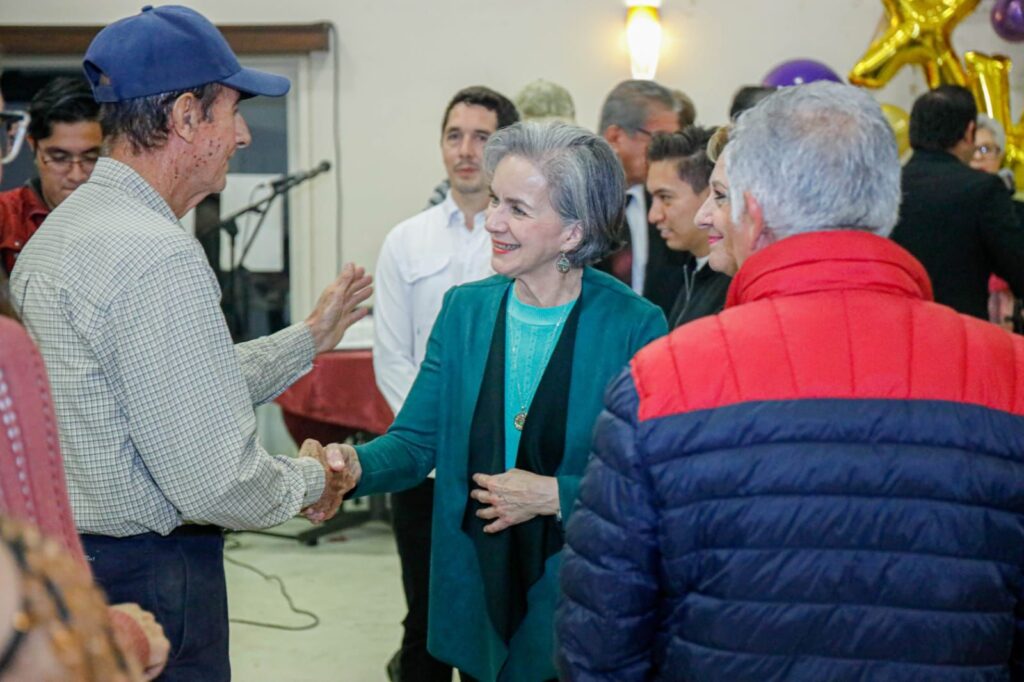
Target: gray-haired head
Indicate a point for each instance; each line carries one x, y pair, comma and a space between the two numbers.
630, 102
543, 100
986, 122
816, 157
586, 185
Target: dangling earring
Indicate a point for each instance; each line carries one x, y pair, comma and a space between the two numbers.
562, 264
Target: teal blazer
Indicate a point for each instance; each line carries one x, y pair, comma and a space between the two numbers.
432, 430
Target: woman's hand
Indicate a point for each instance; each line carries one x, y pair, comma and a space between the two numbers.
514, 497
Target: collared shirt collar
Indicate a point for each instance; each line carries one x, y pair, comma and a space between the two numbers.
111, 173
453, 214
37, 206
829, 260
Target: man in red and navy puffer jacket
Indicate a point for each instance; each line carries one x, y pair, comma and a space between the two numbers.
825, 482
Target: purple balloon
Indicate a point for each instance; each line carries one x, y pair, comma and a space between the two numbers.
798, 72
1008, 19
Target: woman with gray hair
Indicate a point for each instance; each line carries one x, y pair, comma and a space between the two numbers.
989, 153
989, 145
507, 397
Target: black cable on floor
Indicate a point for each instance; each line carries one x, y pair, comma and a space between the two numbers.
284, 593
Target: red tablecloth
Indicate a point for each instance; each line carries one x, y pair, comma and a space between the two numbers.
338, 398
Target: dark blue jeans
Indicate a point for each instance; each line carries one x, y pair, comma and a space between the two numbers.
180, 579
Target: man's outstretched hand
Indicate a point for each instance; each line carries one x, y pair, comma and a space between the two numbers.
341, 474
338, 307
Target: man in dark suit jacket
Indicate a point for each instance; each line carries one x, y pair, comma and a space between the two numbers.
632, 113
677, 182
959, 222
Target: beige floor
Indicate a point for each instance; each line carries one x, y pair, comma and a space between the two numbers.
350, 581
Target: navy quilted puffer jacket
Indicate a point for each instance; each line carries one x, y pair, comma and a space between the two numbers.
825, 482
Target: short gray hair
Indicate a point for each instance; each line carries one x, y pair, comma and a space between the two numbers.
629, 103
145, 122
586, 185
816, 157
993, 126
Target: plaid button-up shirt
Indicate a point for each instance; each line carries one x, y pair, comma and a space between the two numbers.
154, 403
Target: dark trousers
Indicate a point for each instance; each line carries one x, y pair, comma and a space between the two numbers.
180, 579
412, 512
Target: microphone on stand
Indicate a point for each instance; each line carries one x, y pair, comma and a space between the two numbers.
286, 182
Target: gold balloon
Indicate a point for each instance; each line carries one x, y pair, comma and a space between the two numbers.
990, 83
899, 121
919, 33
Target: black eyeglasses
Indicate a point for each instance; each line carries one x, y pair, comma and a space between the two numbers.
62, 161
13, 126
986, 149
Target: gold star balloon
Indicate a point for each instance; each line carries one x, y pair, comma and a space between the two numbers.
990, 83
918, 33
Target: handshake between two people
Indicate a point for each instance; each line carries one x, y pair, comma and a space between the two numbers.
341, 475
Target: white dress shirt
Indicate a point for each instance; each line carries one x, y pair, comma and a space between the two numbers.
422, 258
636, 218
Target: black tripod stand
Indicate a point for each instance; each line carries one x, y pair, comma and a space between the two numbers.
236, 294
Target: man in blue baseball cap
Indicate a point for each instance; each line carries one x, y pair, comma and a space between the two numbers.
154, 403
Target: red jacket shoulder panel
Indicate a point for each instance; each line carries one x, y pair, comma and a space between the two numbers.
867, 338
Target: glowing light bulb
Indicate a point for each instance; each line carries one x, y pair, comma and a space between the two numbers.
643, 36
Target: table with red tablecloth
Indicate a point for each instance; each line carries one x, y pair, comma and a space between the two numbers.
336, 401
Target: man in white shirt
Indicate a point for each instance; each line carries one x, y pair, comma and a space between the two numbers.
421, 259
632, 113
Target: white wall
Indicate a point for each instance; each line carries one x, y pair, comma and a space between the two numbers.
402, 59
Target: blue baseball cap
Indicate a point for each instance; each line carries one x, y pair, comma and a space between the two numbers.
166, 49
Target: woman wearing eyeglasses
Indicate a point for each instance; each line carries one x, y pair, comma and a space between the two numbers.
989, 154
989, 145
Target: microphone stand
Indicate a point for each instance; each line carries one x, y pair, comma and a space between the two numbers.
239, 307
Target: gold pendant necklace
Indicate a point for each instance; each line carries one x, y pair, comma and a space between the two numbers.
519, 420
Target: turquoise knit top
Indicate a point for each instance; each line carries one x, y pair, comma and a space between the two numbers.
531, 334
